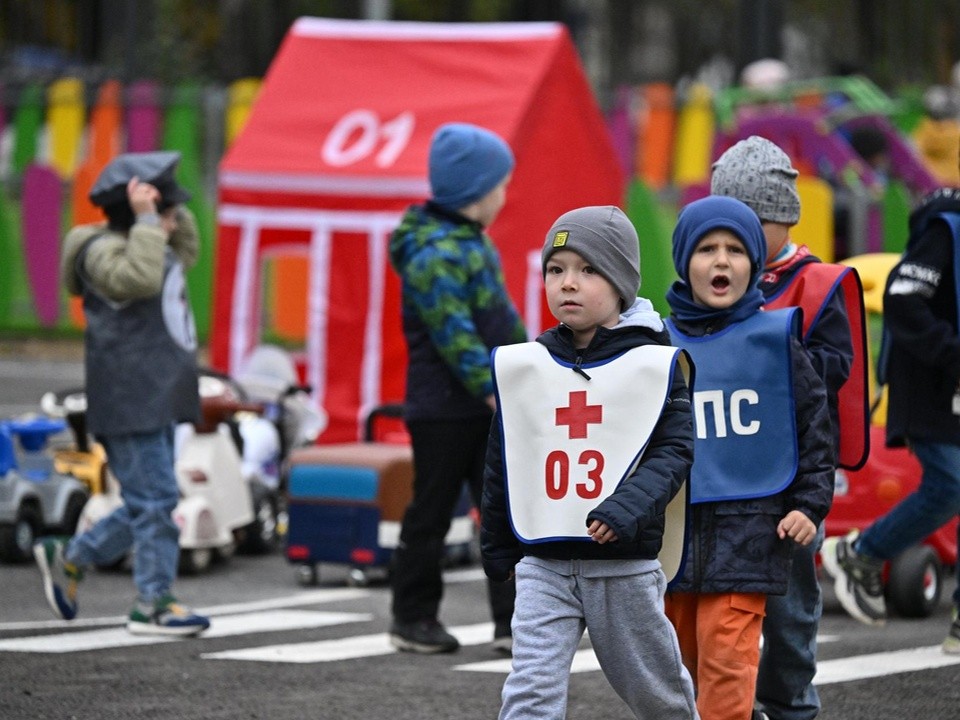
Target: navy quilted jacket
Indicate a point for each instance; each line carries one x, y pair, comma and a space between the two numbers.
733, 545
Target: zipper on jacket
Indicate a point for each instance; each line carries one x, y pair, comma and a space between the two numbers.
579, 370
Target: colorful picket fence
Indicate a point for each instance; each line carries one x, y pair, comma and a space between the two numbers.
59, 138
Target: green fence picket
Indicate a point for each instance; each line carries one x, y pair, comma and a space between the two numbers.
181, 132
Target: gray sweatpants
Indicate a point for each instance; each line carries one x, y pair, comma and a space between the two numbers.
620, 602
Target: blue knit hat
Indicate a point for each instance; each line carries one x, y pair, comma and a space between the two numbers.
718, 212
466, 162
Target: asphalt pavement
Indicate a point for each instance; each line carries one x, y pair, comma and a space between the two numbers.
279, 650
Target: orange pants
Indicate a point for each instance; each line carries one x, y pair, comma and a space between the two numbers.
719, 636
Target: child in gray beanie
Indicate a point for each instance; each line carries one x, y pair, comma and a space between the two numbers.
605, 238
592, 440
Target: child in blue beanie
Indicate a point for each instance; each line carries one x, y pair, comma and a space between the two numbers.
455, 311
762, 476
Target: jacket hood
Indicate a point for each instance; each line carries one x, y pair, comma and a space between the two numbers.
641, 314
72, 246
939, 201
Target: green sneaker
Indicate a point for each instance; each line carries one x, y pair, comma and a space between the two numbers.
165, 617
60, 578
951, 645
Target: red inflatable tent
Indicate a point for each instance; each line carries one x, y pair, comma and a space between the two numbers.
335, 148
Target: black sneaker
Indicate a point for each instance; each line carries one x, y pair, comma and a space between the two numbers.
423, 636
502, 639
857, 579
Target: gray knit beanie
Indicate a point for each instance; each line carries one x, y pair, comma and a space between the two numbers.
605, 238
758, 173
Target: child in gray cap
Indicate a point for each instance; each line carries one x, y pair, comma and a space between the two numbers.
592, 440
141, 379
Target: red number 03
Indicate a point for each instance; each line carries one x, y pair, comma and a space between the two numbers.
557, 474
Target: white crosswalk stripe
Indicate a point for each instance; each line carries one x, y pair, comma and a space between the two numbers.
349, 648
861, 667
224, 626
283, 614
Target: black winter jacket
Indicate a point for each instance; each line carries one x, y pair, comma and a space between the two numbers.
732, 546
920, 323
635, 510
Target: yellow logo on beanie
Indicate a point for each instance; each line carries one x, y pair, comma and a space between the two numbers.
560, 239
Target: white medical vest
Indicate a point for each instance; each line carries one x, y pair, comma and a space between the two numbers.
568, 442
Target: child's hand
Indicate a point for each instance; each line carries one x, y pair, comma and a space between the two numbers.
797, 526
601, 532
143, 197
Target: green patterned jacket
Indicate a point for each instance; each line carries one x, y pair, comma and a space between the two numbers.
455, 311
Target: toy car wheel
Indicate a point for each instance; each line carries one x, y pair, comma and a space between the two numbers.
307, 575
225, 552
195, 561
17, 538
357, 577
915, 582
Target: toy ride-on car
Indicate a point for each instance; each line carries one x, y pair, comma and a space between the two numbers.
35, 499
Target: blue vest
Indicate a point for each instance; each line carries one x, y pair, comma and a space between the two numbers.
744, 417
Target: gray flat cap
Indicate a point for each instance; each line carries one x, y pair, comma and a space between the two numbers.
156, 168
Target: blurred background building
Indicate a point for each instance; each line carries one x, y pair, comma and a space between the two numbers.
620, 41
676, 82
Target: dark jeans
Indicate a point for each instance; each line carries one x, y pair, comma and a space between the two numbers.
445, 454
933, 504
788, 662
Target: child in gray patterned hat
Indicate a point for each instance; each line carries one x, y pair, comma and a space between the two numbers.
758, 173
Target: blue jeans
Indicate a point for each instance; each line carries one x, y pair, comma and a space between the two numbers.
788, 662
930, 506
143, 464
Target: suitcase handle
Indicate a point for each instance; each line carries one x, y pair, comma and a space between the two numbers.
387, 410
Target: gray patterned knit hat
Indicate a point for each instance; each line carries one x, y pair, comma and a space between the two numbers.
759, 174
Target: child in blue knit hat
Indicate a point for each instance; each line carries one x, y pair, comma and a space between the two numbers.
762, 476
456, 309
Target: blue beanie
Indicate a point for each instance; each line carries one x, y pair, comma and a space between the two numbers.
466, 162
718, 212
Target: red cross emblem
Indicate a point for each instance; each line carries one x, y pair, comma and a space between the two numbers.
578, 415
